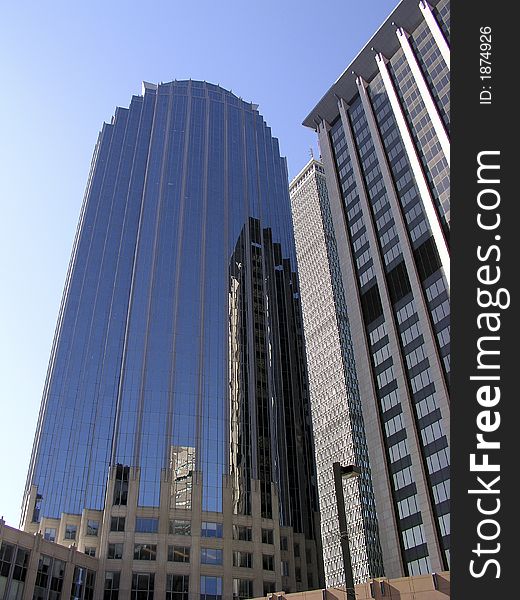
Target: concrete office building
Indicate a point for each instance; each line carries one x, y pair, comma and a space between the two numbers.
336, 407
174, 438
383, 130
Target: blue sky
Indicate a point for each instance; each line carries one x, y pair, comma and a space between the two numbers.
65, 66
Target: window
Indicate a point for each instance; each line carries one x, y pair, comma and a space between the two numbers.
50, 534
145, 551
210, 588
267, 536
179, 554
211, 529
142, 586
70, 532
179, 527
117, 524
242, 559
268, 562
242, 589
42, 577
298, 573
121, 485
92, 527
269, 587
177, 587
242, 532
146, 525
211, 556
111, 585
90, 550
283, 542
83, 583
115, 551
296, 550
285, 568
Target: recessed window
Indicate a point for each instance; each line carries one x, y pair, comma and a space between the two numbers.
145, 551
177, 587
179, 554
242, 589
268, 562
70, 531
285, 568
143, 585
242, 559
90, 550
92, 527
50, 534
242, 532
117, 524
146, 525
211, 556
111, 590
210, 588
269, 587
210, 529
283, 542
179, 527
115, 551
267, 536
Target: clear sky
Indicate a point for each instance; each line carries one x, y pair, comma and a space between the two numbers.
64, 67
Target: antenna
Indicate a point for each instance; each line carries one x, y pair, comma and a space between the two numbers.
311, 152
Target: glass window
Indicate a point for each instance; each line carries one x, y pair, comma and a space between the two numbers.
58, 574
283, 543
42, 577
121, 485
83, 583
210, 529
142, 586
285, 568
267, 536
179, 553
117, 524
296, 550
111, 591
50, 534
70, 531
180, 527
268, 562
211, 556
145, 551
177, 587
242, 589
146, 525
92, 527
210, 588
242, 532
269, 587
242, 559
90, 550
115, 551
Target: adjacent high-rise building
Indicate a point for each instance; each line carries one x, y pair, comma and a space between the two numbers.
382, 315
174, 438
337, 415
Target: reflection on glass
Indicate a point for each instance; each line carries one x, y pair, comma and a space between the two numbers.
182, 466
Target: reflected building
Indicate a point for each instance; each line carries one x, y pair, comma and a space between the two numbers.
174, 438
384, 131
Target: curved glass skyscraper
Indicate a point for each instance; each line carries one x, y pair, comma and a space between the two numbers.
176, 397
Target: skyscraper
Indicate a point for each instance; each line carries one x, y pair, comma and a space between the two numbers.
336, 407
174, 435
384, 136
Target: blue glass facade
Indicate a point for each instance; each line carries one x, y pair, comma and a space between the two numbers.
179, 344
